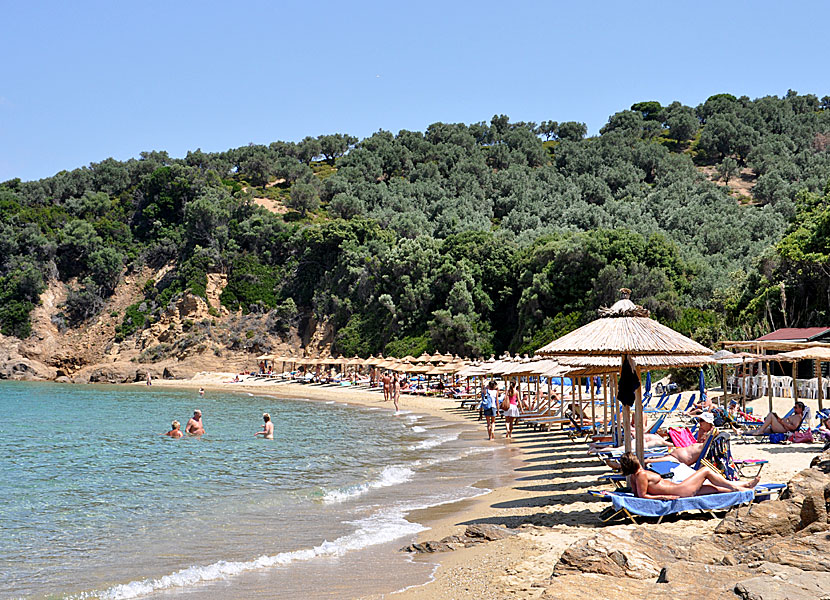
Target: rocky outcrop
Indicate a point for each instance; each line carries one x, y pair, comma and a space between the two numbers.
775, 550
473, 535
13, 365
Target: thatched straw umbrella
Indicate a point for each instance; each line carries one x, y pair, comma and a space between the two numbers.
625, 332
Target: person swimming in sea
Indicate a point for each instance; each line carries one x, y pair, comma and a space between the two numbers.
267, 429
176, 432
201, 391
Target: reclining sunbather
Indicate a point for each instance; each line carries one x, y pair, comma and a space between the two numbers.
688, 455
775, 424
647, 484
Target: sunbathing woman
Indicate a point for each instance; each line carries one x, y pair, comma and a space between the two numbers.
775, 424
647, 484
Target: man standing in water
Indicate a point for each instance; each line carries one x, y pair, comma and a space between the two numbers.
267, 429
194, 425
387, 386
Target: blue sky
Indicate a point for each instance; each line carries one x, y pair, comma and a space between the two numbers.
83, 81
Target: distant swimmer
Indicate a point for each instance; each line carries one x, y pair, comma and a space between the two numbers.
195, 425
176, 432
201, 391
267, 429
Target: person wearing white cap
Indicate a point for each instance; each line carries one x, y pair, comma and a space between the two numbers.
706, 426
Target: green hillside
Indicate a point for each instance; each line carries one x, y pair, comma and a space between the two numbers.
468, 238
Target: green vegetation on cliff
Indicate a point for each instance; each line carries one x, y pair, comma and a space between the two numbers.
468, 238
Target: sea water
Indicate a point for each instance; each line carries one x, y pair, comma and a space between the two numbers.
95, 503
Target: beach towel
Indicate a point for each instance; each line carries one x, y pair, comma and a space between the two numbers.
645, 507
681, 437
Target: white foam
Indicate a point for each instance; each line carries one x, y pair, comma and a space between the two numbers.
381, 527
392, 475
434, 441
330, 402
418, 429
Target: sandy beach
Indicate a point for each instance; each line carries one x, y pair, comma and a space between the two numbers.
545, 498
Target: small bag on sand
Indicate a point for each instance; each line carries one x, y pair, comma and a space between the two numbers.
802, 437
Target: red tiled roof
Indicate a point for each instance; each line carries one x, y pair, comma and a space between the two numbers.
793, 334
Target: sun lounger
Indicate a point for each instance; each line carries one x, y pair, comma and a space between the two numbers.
625, 504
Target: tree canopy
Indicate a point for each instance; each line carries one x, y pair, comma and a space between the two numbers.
468, 238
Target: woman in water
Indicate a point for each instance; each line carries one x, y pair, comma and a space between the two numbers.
176, 432
267, 429
648, 484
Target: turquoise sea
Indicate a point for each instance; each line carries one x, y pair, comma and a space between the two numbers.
96, 504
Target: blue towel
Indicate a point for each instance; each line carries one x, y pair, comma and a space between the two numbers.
658, 508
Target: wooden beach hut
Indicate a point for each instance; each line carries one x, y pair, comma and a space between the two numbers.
625, 332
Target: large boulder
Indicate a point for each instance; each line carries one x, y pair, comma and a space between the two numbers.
630, 562
13, 365
118, 372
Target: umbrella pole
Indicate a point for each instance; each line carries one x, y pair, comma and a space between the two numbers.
820, 389
769, 385
638, 423
723, 385
581, 410
593, 406
743, 386
795, 381
605, 404
549, 396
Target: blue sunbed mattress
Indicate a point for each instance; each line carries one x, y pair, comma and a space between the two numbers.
658, 508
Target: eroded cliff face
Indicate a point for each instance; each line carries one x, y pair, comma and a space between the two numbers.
192, 334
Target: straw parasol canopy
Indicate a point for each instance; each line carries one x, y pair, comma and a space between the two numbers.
624, 329
355, 361
820, 353
265, 357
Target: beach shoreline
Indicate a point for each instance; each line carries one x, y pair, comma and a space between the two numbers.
544, 496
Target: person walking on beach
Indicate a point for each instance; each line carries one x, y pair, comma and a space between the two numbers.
267, 429
511, 413
396, 392
488, 407
387, 386
176, 431
149, 379
195, 425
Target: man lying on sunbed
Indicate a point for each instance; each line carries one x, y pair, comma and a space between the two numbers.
648, 484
